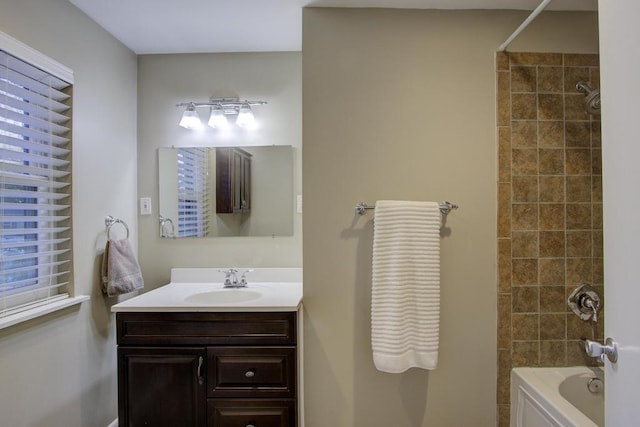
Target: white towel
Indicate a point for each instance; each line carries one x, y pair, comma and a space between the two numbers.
405, 300
120, 270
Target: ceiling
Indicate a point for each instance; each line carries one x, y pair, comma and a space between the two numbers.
180, 26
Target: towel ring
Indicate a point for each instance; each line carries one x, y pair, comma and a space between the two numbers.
163, 233
109, 221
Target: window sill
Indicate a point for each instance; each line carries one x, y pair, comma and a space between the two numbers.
14, 319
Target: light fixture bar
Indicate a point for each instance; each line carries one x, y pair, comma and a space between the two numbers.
219, 108
227, 104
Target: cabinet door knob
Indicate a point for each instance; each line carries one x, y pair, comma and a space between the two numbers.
250, 373
250, 425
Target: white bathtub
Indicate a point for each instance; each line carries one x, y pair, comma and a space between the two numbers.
558, 397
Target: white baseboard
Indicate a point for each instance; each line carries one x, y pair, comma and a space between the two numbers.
114, 423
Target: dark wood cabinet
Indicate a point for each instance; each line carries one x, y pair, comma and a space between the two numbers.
207, 369
233, 180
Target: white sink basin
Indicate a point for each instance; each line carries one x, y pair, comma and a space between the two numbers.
202, 290
223, 296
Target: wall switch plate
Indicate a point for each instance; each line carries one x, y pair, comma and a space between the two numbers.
299, 203
145, 205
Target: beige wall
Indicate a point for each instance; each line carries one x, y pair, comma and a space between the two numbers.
401, 105
60, 370
164, 81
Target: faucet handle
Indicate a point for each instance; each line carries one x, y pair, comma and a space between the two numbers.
589, 301
243, 279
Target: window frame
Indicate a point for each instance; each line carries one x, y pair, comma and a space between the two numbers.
41, 306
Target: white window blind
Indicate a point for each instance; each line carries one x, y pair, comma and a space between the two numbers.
35, 185
193, 194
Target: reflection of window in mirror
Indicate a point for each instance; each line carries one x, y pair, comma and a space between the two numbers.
193, 192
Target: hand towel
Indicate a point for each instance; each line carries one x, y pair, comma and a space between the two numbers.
405, 298
120, 270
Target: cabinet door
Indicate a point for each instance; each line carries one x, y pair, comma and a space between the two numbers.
233, 180
245, 202
224, 179
161, 387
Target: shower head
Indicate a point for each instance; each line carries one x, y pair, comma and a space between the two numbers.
592, 98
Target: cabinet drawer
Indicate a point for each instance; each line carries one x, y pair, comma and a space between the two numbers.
266, 328
251, 371
251, 412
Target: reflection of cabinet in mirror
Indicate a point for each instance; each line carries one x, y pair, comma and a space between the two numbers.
233, 180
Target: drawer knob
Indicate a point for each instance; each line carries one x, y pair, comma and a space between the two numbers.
250, 374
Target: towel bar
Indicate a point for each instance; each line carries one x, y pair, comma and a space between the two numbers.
445, 207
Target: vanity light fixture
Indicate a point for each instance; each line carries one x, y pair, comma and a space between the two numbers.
220, 109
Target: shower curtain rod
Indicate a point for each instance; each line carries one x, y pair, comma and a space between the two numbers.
524, 25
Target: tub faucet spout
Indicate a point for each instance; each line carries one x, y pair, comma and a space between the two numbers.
608, 349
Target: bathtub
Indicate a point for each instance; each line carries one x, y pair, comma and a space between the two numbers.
557, 397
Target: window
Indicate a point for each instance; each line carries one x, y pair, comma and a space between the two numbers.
35, 179
193, 199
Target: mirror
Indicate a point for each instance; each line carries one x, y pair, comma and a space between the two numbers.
226, 191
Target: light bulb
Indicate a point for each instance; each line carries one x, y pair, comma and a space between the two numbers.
245, 117
217, 119
190, 118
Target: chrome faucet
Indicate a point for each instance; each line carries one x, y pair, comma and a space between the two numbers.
594, 349
231, 278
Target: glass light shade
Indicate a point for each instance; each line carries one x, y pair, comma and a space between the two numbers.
190, 118
217, 119
245, 117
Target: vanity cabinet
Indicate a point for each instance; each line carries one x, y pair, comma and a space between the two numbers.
207, 369
233, 180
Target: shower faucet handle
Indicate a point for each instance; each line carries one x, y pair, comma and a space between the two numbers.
584, 301
589, 301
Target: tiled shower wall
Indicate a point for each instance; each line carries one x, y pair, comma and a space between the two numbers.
549, 211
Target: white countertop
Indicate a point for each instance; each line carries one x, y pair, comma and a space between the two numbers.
201, 290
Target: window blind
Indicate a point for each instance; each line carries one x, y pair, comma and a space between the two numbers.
193, 198
35, 186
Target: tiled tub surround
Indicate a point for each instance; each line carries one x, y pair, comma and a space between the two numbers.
549, 210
